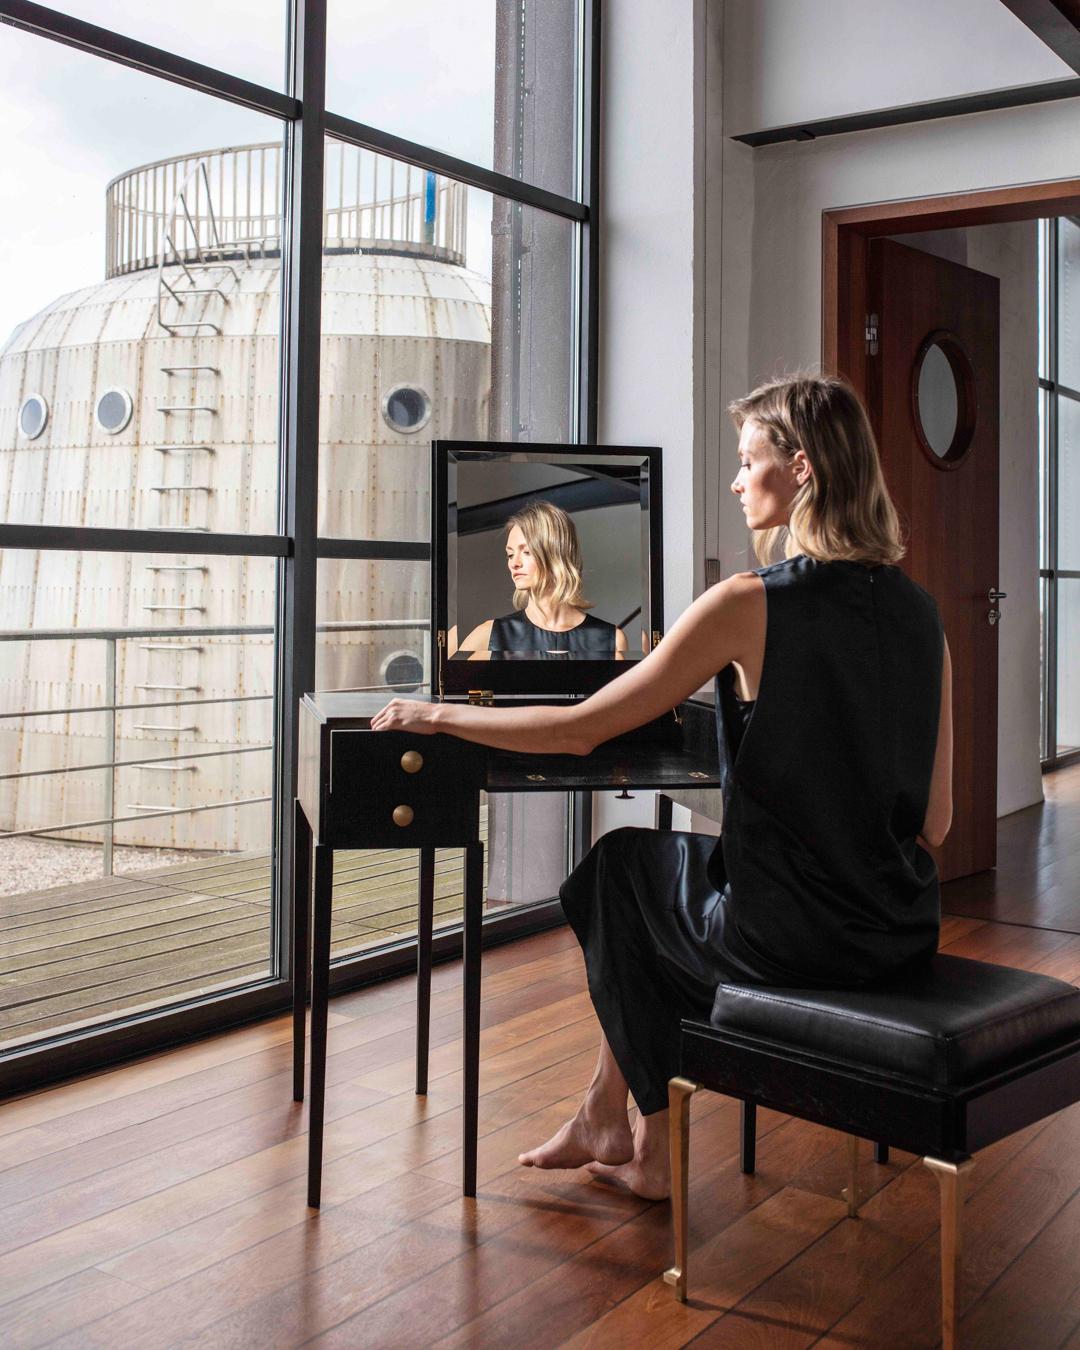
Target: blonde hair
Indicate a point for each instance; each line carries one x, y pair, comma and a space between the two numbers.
843, 510
553, 542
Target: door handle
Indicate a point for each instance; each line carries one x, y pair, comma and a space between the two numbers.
994, 595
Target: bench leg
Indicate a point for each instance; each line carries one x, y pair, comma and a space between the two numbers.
748, 1138
952, 1179
680, 1090
851, 1190
881, 1153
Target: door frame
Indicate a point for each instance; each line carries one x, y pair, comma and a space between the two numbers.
846, 232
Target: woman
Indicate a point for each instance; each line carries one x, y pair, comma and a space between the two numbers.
549, 621
833, 693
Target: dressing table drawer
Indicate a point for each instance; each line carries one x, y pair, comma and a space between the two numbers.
400, 790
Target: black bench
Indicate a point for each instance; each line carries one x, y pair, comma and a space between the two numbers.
941, 1064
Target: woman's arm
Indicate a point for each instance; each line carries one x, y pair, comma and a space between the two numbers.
717, 629
939, 809
620, 645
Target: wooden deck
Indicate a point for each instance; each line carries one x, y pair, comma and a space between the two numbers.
72, 955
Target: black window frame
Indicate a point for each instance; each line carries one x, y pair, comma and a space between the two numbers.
1054, 391
296, 546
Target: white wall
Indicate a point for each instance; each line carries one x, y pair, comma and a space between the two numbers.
651, 323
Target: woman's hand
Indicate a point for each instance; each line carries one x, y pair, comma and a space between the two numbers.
405, 714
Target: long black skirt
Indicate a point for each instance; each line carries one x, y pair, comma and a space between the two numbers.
648, 908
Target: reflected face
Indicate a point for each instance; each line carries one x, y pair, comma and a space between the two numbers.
765, 485
520, 561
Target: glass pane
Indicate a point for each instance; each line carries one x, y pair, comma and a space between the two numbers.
1068, 665
1044, 281
248, 38
146, 397
136, 732
415, 349
1068, 303
488, 81
1068, 484
372, 620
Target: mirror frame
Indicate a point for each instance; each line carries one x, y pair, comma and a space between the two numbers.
548, 678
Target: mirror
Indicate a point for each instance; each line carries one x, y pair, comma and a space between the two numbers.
550, 557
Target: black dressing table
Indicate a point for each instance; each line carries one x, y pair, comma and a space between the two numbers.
361, 789
366, 789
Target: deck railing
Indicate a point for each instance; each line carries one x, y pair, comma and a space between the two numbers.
232, 207
110, 707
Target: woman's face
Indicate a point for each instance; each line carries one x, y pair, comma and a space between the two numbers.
765, 484
520, 561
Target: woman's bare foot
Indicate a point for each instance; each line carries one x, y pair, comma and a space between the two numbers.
585, 1139
648, 1173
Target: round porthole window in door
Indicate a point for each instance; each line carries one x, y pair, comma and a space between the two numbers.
943, 401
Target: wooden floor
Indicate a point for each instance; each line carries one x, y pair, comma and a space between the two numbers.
74, 955
162, 1203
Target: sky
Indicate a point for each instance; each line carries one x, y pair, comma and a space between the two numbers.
423, 69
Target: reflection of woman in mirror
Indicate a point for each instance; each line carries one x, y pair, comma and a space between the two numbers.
549, 620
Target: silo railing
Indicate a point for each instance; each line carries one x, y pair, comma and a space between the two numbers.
233, 208
109, 763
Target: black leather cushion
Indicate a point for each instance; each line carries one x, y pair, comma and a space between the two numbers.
953, 1022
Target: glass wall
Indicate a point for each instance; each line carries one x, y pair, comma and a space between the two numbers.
1059, 495
166, 247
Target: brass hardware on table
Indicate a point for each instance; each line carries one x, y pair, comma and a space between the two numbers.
403, 815
695, 773
536, 778
482, 698
440, 644
656, 636
412, 761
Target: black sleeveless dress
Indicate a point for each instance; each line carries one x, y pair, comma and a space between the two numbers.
515, 636
817, 879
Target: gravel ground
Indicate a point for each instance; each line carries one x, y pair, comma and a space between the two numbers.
36, 864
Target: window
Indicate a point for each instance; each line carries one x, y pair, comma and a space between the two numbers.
1059, 487
33, 415
114, 410
152, 489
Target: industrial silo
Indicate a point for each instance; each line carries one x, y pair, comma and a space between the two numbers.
150, 401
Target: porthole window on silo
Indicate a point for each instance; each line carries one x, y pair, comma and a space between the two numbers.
406, 408
114, 410
403, 672
33, 415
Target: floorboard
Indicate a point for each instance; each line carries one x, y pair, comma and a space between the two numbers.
163, 1202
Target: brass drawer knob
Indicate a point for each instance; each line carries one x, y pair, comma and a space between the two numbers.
412, 761
403, 815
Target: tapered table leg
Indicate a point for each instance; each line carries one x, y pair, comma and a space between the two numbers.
301, 933
474, 902
680, 1090
425, 924
748, 1138
881, 1153
952, 1179
320, 994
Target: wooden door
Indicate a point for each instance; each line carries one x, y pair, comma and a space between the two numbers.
932, 391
